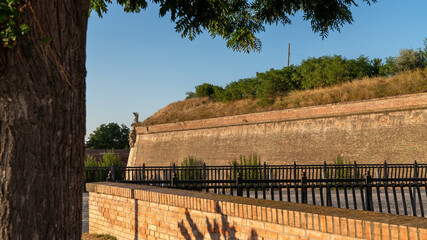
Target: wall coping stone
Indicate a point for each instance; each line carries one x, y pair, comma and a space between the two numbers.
371, 106
229, 205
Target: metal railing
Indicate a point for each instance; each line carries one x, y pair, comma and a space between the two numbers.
392, 188
294, 171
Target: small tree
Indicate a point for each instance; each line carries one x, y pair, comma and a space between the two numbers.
409, 59
109, 136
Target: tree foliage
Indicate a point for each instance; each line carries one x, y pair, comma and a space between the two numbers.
10, 28
109, 136
312, 73
273, 82
409, 59
238, 21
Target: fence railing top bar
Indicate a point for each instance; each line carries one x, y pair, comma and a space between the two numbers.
400, 179
380, 165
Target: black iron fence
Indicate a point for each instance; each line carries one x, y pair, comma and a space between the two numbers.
266, 172
391, 188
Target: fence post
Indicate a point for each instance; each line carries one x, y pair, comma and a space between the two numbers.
265, 170
234, 171
368, 195
304, 188
204, 171
174, 181
385, 170
355, 170
173, 170
327, 190
415, 169
295, 170
325, 174
415, 184
113, 173
239, 181
143, 172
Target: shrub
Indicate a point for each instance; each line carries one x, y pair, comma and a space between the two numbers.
244, 88
274, 82
249, 168
342, 170
389, 68
109, 159
410, 59
191, 169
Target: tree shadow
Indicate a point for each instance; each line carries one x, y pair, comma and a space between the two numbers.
214, 229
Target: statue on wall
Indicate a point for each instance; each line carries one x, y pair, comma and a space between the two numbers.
135, 117
132, 137
132, 133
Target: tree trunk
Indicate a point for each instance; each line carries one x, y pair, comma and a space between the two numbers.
42, 124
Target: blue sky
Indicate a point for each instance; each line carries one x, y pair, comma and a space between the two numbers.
138, 63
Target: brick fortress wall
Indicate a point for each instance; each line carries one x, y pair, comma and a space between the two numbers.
143, 212
390, 129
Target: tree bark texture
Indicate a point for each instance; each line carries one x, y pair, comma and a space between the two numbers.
42, 124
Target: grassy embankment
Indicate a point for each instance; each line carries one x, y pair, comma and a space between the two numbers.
356, 90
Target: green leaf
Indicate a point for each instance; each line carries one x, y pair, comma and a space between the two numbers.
46, 40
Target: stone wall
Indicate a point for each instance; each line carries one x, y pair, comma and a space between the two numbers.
143, 212
390, 129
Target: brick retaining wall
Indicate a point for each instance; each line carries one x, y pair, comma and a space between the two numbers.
144, 212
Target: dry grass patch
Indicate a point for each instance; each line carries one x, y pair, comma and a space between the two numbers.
89, 236
366, 88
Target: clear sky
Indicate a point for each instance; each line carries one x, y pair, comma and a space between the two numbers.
138, 63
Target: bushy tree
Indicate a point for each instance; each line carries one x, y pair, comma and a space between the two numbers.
208, 90
243, 88
109, 136
190, 95
205, 90
274, 81
321, 71
330, 70
389, 68
361, 67
409, 59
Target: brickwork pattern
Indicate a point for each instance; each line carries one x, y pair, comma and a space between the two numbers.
143, 212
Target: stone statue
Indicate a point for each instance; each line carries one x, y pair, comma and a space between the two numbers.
132, 137
135, 118
132, 133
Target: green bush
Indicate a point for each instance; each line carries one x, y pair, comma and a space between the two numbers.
244, 88
108, 160
248, 167
342, 169
410, 59
191, 169
274, 82
389, 68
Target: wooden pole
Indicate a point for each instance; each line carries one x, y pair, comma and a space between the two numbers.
289, 52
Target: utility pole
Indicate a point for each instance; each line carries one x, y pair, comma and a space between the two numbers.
289, 52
